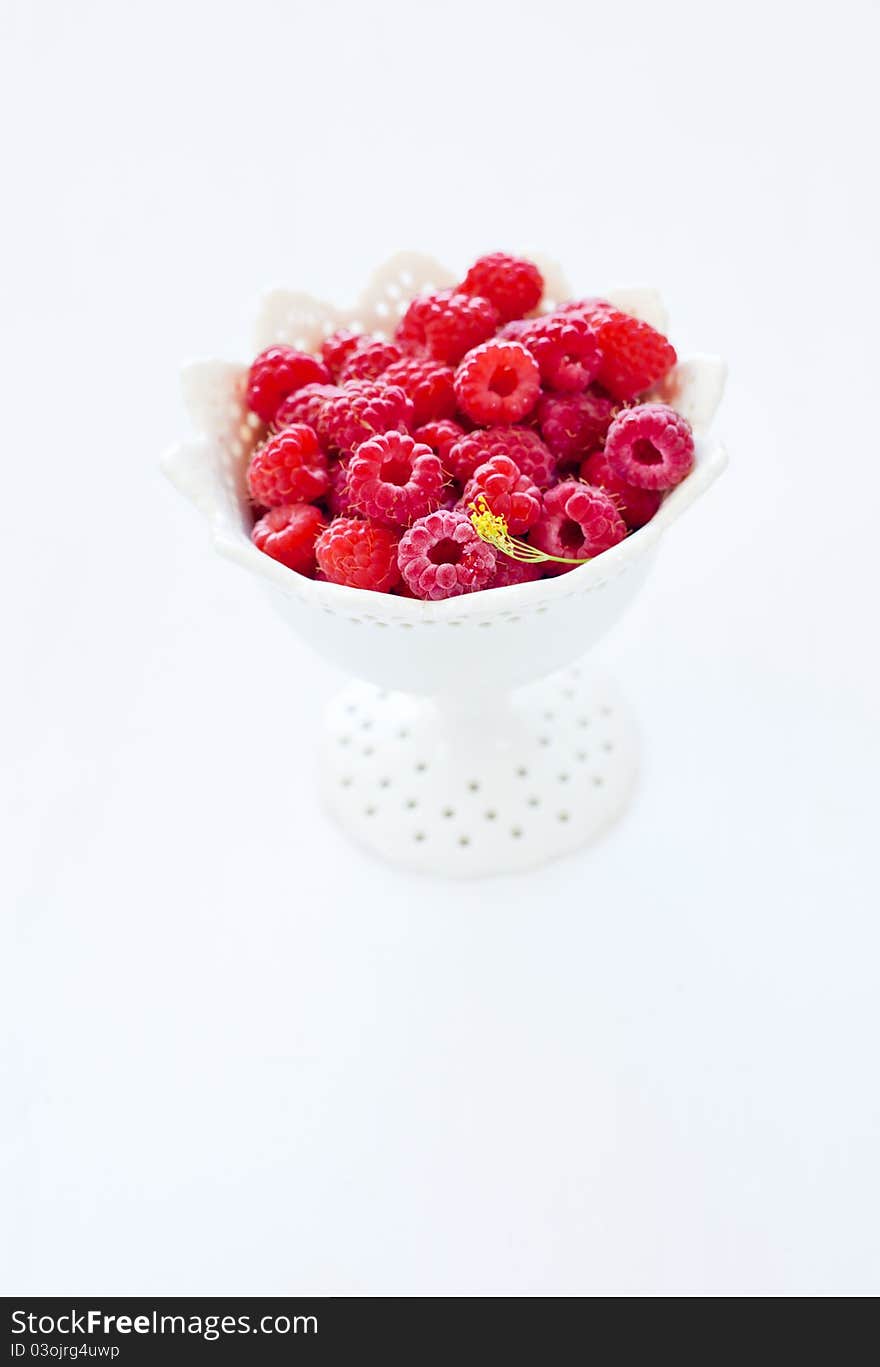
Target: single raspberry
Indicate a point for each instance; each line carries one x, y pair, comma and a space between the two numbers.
277, 372
369, 359
395, 480
336, 349
305, 405
289, 468
636, 506
574, 423
508, 572
651, 446
577, 522
516, 329
338, 498
429, 385
512, 285
524, 447
288, 533
634, 355
508, 493
566, 349
362, 409
439, 436
497, 382
445, 325
441, 556
358, 554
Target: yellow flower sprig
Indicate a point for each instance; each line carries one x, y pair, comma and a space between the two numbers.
492, 527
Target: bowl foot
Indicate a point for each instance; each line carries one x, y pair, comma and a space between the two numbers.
466, 794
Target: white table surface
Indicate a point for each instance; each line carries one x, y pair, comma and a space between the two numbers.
241, 1056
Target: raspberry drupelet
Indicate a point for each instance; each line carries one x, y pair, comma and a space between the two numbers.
651, 446
497, 382
289, 468
440, 436
277, 372
441, 556
369, 359
577, 522
305, 405
508, 493
336, 349
636, 506
363, 409
634, 355
509, 572
288, 533
445, 325
358, 554
394, 480
513, 286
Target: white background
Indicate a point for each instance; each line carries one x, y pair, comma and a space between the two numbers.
244, 1057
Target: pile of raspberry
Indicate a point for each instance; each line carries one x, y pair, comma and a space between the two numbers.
377, 450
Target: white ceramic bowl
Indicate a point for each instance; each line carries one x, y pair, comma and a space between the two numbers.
446, 762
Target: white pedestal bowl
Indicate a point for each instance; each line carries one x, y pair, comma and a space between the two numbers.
477, 741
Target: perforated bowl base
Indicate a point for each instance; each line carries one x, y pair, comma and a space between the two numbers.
465, 796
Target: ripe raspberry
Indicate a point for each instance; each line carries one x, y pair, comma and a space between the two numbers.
524, 447
441, 556
577, 521
289, 468
369, 359
336, 349
339, 499
508, 493
512, 285
651, 446
439, 436
445, 325
508, 572
277, 372
497, 382
305, 405
288, 533
634, 355
566, 349
359, 554
362, 409
394, 480
429, 385
636, 506
574, 423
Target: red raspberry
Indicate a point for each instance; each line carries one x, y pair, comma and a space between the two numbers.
636, 506
566, 349
306, 405
339, 499
336, 349
441, 556
362, 409
439, 436
634, 355
577, 521
359, 554
651, 446
289, 468
277, 372
428, 384
510, 571
512, 285
369, 359
524, 447
508, 493
446, 325
574, 423
288, 534
497, 382
394, 480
